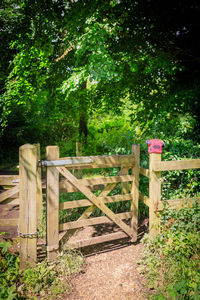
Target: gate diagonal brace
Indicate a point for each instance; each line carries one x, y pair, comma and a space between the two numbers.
91, 197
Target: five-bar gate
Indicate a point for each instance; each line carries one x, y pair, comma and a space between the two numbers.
61, 178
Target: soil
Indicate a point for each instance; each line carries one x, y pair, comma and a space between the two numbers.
111, 268
110, 275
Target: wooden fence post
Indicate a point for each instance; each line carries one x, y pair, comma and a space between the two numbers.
28, 203
52, 190
135, 189
154, 194
39, 206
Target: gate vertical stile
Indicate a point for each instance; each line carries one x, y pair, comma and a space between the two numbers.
52, 190
135, 189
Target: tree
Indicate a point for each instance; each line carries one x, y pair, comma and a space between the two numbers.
72, 58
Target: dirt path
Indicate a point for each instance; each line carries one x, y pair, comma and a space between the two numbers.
110, 275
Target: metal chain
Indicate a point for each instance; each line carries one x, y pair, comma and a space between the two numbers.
27, 235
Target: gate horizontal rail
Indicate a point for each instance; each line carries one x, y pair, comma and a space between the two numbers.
69, 184
85, 202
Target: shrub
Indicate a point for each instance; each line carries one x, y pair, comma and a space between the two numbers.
43, 281
170, 262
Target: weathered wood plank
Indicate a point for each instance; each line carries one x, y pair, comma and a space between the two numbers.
9, 222
125, 185
105, 180
144, 172
39, 186
9, 193
154, 193
135, 190
178, 203
109, 187
94, 200
52, 236
87, 213
92, 221
144, 198
64, 185
176, 165
97, 240
9, 179
28, 218
104, 161
85, 202
13, 201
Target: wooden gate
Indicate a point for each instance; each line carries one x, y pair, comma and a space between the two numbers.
57, 233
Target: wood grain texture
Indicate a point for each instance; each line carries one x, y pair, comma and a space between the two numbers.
8, 179
92, 221
8, 193
97, 240
154, 193
178, 203
85, 202
39, 186
94, 200
28, 218
52, 192
9, 222
176, 165
104, 161
135, 190
97, 181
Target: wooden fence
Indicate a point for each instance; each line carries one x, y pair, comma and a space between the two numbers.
154, 201
24, 190
9, 197
27, 187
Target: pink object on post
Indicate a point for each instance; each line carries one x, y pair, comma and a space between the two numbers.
155, 146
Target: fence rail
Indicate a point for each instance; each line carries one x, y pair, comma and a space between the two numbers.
28, 187
176, 165
104, 161
9, 197
9, 179
156, 166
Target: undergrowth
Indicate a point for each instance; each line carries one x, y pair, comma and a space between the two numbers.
45, 281
171, 261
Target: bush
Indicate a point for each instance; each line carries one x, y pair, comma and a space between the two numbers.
170, 262
44, 281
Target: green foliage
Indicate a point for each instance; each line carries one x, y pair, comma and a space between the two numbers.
181, 183
45, 280
51, 278
60, 60
170, 262
9, 272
